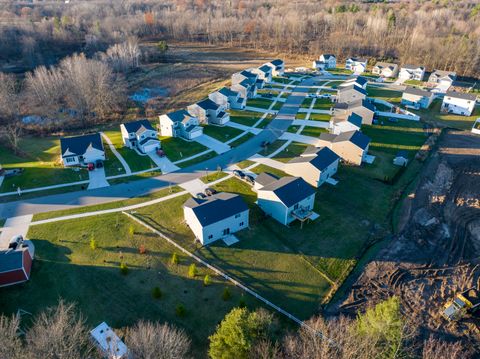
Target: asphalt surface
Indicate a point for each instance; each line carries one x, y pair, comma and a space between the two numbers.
273, 131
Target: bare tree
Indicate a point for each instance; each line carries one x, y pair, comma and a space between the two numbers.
123, 57
10, 343
12, 132
437, 349
147, 340
8, 96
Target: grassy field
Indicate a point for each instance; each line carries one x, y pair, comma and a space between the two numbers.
40, 159
223, 134
212, 177
340, 71
272, 147
334, 84
294, 149
266, 121
112, 165
322, 104
247, 118
307, 102
176, 148
313, 131
437, 118
259, 103
384, 94
319, 117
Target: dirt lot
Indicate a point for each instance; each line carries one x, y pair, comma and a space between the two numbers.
436, 250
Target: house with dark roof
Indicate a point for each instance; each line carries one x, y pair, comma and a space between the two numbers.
228, 98
318, 65
364, 108
359, 81
278, 67
459, 103
316, 165
208, 112
329, 60
140, 135
264, 72
351, 93
440, 76
411, 72
216, 217
351, 122
417, 98
385, 69
180, 124
355, 64
263, 179
82, 150
287, 199
16, 264
245, 88
248, 75
351, 146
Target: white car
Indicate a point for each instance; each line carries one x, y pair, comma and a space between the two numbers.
325, 95
15, 242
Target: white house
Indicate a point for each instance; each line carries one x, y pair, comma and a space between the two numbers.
82, 150
364, 108
442, 77
287, 199
385, 69
411, 72
315, 165
180, 124
228, 98
209, 112
278, 67
318, 65
245, 88
264, 72
352, 93
356, 65
417, 98
359, 81
216, 217
351, 122
329, 60
108, 342
253, 78
351, 146
140, 135
476, 127
459, 103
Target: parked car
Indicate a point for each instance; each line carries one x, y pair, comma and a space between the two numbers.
325, 95
99, 164
161, 152
209, 191
250, 179
201, 195
91, 166
239, 174
312, 95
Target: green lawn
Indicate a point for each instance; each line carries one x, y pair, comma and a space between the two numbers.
293, 128
112, 165
134, 160
307, 102
264, 168
340, 71
176, 148
322, 104
272, 147
416, 83
334, 84
247, 118
282, 80
198, 159
259, 103
319, 117
223, 134
66, 267
40, 159
212, 177
244, 164
300, 115
384, 94
266, 121
313, 131
278, 105
294, 149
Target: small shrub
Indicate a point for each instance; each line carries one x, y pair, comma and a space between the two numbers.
93, 243
123, 268
175, 259
207, 281
180, 310
226, 295
156, 293
192, 270
131, 231
242, 303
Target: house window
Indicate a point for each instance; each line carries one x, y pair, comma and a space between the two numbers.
241, 224
70, 159
210, 236
237, 215
296, 206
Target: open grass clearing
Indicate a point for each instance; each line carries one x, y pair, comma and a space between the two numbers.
391, 96
247, 118
293, 150
221, 133
176, 148
313, 131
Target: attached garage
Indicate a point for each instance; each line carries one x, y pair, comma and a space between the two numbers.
149, 145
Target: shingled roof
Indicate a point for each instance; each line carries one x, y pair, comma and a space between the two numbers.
290, 190
78, 145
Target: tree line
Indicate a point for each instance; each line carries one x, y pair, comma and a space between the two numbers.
436, 34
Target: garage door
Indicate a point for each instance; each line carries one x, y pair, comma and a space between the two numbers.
150, 146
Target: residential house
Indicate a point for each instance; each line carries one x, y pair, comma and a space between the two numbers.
228, 98
263, 179
209, 112
264, 72
140, 135
329, 60
445, 77
287, 199
315, 165
364, 108
356, 65
278, 67
82, 150
359, 81
245, 88
417, 98
108, 342
351, 122
216, 217
411, 72
401, 159
459, 103
180, 124
253, 78
16, 264
349, 94
385, 69
318, 65
351, 146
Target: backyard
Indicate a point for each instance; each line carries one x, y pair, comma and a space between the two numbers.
223, 134
175, 148
391, 96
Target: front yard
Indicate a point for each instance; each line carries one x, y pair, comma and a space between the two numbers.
223, 134
263, 103
175, 148
247, 118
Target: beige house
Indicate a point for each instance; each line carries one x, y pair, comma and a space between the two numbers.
351, 146
316, 165
351, 93
365, 109
385, 69
339, 124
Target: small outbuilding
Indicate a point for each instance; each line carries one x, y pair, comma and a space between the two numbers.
16, 263
108, 342
401, 159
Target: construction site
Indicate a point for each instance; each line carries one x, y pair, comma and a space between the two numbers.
433, 261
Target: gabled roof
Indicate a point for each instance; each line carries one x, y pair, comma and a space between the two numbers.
227, 92
290, 190
418, 92
245, 83
462, 95
179, 116
248, 74
139, 126
356, 137
11, 260
440, 73
265, 178
383, 65
357, 59
265, 68
148, 139
217, 207
352, 87
321, 159
78, 145
355, 104
207, 104
360, 80
355, 119
327, 56
277, 62
329, 137
413, 67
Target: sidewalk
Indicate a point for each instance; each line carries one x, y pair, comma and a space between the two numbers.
12, 227
212, 143
311, 123
118, 155
253, 130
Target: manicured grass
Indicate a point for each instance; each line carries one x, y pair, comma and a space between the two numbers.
278, 105
241, 140
112, 165
307, 102
340, 71
319, 117
40, 159
247, 118
334, 84
99, 207
134, 160
264, 168
196, 160
245, 164
282, 80
223, 134
213, 177
313, 131
300, 115
294, 149
272, 147
293, 129
416, 83
266, 121
384, 94
322, 104
66, 267
175, 148
437, 118
259, 103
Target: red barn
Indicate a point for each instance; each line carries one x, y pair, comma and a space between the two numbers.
15, 265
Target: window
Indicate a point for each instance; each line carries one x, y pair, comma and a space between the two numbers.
210, 236
296, 206
237, 215
241, 224
70, 159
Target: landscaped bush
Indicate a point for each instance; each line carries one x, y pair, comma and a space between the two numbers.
180, 310
207, 281
175, 259
192, 270
226, 295
123, 268
156, 293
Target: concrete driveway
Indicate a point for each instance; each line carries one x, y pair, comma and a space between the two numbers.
97, 178
14, 226
165, 165
213, 144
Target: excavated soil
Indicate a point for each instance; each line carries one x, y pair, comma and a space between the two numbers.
437, 250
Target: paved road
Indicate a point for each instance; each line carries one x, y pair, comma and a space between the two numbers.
274, 130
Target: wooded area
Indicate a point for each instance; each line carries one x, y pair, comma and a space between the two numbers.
437, 34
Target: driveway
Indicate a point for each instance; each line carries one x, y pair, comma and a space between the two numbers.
268, 162
195, 186
163, 163
14, 226
311, 123
212, 143
300, 138
97, 178
239, 126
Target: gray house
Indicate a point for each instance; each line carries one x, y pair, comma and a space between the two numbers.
180, 124
351, 93
208, 112
417, 98
228, 98
364, 108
